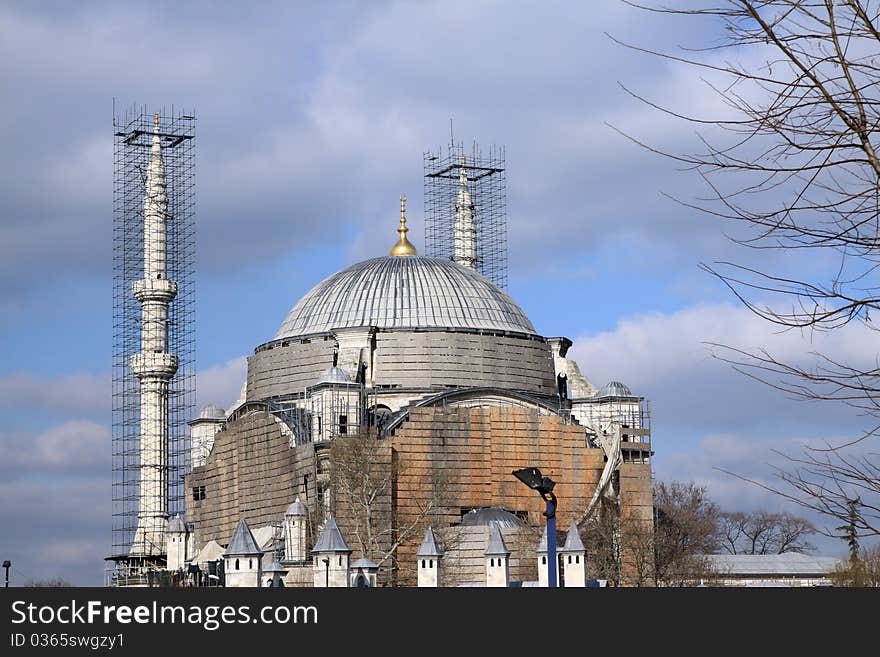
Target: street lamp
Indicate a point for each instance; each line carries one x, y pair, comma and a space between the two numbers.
7, 565
533, 478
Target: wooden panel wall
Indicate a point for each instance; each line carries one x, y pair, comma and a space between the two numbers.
252, 473
440, 359
478, 448
284, 370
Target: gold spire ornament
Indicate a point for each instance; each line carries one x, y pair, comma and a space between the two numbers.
403, 247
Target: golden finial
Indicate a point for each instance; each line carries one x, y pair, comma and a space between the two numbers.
403, 247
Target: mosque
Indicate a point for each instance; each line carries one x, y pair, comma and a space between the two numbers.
376, 433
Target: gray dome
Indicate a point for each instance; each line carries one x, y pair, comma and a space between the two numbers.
212, 412
335, 375
411, 292
296, 509
491, 515
614, 389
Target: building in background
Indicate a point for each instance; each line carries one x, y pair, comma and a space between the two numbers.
786, 569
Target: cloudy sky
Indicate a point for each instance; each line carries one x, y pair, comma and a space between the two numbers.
312, 119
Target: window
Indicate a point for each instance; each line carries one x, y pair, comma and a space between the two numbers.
198, 493
250, 564
340, 559
543, 561
577, 558
423, 563
569, 558
492, 562
343, 425
237, 565
431, 562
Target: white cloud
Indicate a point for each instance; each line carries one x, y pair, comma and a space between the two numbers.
72, 448
81, 393
61, 528
665, 357
221, 384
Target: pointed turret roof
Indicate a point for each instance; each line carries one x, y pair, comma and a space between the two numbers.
243, 542
331, 539
429, 547
156, 197
175, 525
573, 542
296, 509
496, 543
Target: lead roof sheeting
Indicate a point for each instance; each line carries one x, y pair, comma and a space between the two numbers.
331, 539
496, 543
405, 292
573, 542
429, 547
242, 543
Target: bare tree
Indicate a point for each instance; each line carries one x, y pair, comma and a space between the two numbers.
793, 166
685, 531
730, 531
861, 571
762, 532
362, 475
601, 536
51, 582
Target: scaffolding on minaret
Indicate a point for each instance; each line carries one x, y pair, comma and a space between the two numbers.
466, 208
153, 382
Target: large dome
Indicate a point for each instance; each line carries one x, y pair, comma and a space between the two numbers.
405, 292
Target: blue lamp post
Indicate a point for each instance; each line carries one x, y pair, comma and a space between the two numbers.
533, 478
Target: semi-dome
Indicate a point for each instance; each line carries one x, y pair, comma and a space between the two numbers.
405, 292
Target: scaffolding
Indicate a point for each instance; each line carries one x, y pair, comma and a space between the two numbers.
165, 307
488, 191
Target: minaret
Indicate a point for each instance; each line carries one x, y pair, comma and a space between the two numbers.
154, 366
465, 234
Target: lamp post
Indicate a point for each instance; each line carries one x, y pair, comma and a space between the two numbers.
533, 478
7, 565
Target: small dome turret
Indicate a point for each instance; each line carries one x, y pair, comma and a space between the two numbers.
615, 389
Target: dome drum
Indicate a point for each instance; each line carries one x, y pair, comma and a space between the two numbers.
399, 360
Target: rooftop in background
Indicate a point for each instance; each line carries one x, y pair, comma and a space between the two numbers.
788, 563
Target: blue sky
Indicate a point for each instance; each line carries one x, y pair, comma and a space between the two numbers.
312, 119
